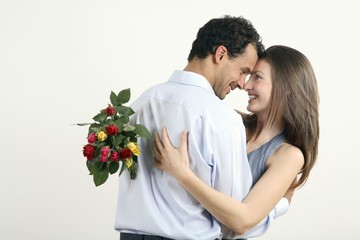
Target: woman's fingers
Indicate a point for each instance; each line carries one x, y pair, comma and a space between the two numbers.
155, 150
165, 138
158, 165
159, 144
183, 143
157, 147
167, 157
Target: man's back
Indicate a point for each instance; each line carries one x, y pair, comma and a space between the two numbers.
154, 203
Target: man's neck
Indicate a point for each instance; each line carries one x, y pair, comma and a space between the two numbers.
201, 67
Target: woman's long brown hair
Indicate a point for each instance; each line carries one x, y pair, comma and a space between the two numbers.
294, 96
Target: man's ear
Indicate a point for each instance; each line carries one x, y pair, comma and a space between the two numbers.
220, 53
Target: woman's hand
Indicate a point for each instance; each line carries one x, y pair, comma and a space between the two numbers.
175, 161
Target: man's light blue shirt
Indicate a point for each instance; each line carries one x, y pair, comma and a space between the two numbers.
155, 203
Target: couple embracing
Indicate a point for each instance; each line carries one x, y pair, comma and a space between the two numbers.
212, 172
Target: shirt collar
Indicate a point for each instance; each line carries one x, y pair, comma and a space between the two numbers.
191, 78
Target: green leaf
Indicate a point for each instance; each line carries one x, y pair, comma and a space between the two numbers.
142, 131
132, 171
100, 177
117, 140
113, 99
100, 145
125, 111
130, 111
123, 96
129, 128
93, 165
90, 166
108, 121
95, 127
123, 167
114, 166
119, 123
100, 117
124, 119
81, 124
129, 134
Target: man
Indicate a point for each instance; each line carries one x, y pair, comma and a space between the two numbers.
154, 205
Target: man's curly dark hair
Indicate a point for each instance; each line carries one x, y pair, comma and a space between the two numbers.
235, 33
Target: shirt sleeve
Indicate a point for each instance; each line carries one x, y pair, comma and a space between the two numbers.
281, 208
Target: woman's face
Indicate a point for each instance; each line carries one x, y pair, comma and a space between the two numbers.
259, 88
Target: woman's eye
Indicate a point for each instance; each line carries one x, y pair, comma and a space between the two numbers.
257, 77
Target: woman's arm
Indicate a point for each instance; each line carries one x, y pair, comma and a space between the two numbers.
283, 167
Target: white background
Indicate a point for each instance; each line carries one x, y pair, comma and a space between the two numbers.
59, 60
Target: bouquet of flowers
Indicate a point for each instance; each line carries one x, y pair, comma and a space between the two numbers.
112, 140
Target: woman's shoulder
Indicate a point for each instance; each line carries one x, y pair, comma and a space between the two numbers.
287, 153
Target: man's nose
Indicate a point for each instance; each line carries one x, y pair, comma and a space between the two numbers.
241, 83
235, 85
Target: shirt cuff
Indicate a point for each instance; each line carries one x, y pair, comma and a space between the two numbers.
281, 207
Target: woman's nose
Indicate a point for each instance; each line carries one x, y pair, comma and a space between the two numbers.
247, 85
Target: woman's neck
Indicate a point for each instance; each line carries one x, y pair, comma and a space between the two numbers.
263, 133
265, 129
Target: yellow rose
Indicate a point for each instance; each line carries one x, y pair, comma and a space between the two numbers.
134, 148
129, 162
102, 136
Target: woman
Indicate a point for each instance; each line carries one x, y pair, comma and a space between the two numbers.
282, 140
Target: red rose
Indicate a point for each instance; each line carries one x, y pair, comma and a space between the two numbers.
89, 151
112, 129
103, 158
125, 153
91, 138
109, 110
114, 156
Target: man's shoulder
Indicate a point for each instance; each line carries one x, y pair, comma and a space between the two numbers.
199, 102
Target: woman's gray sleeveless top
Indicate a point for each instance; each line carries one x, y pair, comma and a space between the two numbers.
257, 158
